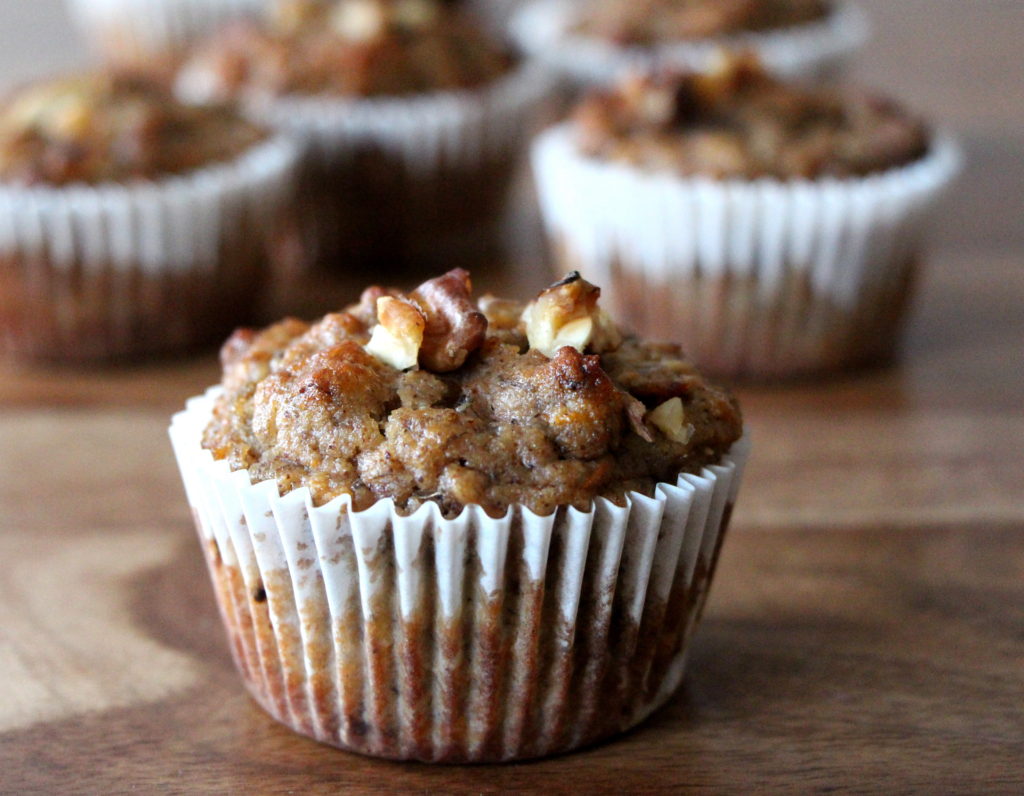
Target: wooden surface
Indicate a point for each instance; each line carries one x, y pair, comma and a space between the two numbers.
865, 633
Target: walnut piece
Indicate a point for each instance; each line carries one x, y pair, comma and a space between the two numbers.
635, 413
61, 110
358, 20
454, 326
670, 419
566, 314
653, 103
501, 313
398, 335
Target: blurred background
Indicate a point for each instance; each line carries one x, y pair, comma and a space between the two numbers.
957, 63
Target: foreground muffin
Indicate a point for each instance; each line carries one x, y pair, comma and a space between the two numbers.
153, 36
129, 224
773, 229
446, 533
414, 119
594, 43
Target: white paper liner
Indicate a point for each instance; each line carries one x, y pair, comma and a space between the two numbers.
138, 28
847, 240
543, 29
124, 270
429, 132
339, 662
173, 224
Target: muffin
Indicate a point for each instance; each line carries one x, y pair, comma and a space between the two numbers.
496, 14
650, 21
595, 43
449, 531
773, 229
130, 224
153, 36
414, 119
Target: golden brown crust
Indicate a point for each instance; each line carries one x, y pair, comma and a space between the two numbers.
738, 122
311, 406
112, 128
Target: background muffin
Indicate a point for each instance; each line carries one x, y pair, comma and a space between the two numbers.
495, 13
596, 43
648, 22
772, 229
129, 224
460, 505
414, 120
152, 36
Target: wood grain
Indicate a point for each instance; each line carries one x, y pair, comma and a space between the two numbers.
885, 661
866, 630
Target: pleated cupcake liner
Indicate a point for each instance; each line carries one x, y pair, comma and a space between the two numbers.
402, 175
141, 31
544, 30
90, 271
758, 278
466, 639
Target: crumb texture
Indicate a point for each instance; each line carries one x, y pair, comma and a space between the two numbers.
481, 418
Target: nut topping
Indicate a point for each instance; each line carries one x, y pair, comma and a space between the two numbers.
318, 406
358, 20
454, 326
436, 325
566, 314
501, 313
635, 412
398, 335
670, 420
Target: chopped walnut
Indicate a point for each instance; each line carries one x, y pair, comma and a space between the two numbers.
635, 413
455, 328
670, 419
365, 20
655, 104
501, 313
566, 314
398, 335
358, 20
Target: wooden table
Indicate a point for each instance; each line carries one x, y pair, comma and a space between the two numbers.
866, 631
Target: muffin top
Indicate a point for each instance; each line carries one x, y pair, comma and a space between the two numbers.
736, 121
112, 128
646, 22
428, 396
347, 48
